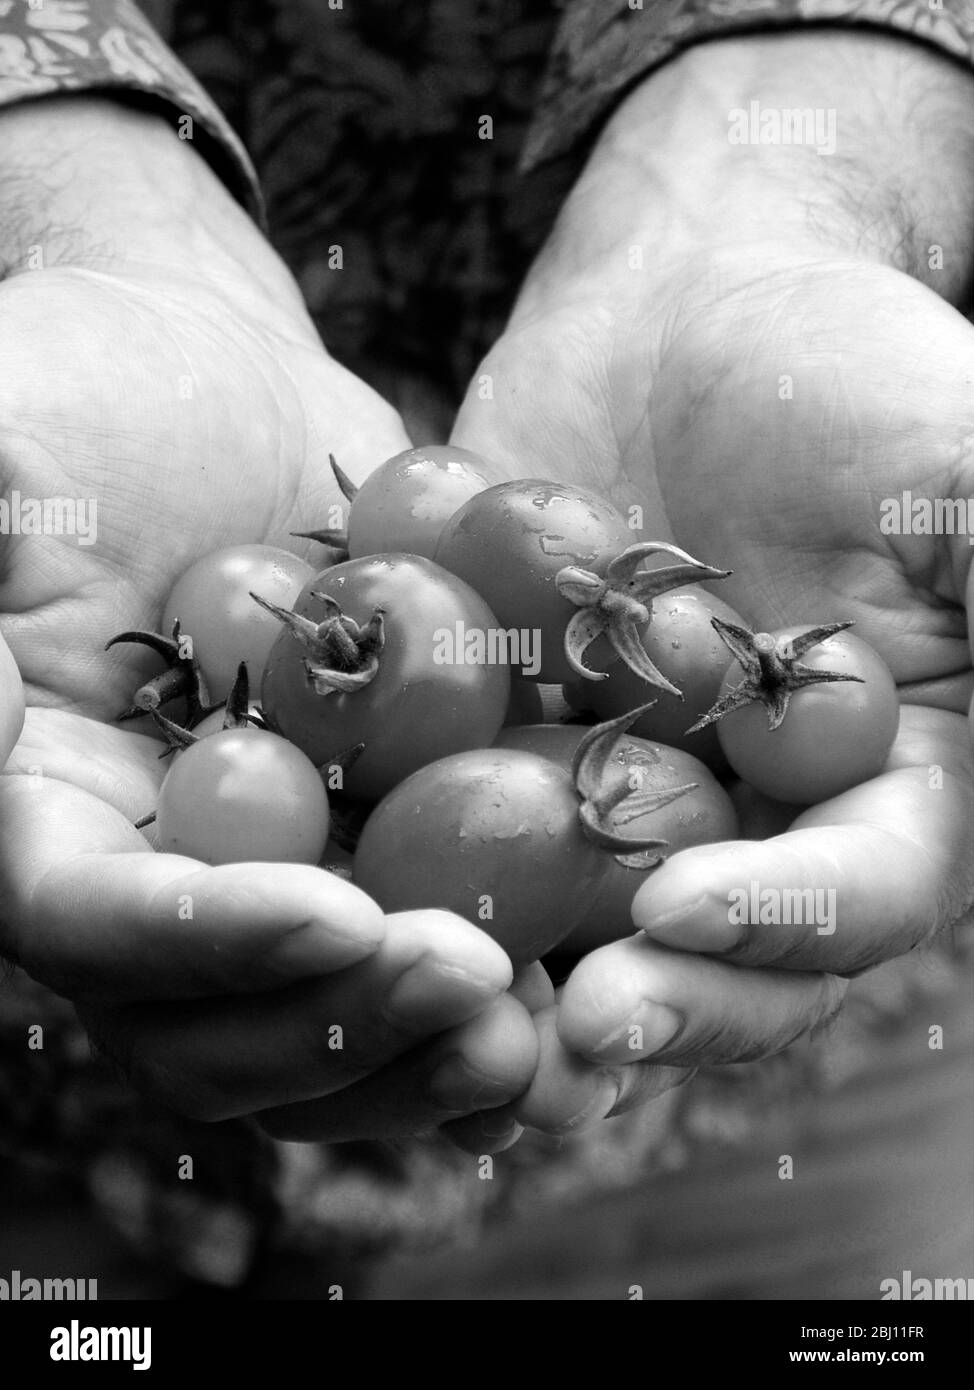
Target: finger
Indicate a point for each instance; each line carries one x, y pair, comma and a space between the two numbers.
492, 1131
478, 1065
634, 1000
221, 1058
569, 1094
533, 988
90, 913
549, 414
485, 1133
122, 767
857, 880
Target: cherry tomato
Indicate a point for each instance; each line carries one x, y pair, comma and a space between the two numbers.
701, 817
682, 644
492, 835
511, 542
428, 698
404, 504
243, 795
213, 604
833, 736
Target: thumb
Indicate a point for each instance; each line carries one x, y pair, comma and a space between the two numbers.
540, 405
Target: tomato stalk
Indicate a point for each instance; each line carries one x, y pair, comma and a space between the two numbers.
237, 716
620, 605
772, 670
182, 677
341, 656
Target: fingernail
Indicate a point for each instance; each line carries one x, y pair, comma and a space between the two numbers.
508, 1140
603, 1101
702, 924
433, 995
458, 1087
500, 1127
647, 1031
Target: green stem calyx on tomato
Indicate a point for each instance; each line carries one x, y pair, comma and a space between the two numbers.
333, 536
341, 656
620, 605
235, 716
182, 676
608, 803
772, 670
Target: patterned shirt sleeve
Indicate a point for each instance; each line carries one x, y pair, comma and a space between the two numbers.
51, 46
603, 47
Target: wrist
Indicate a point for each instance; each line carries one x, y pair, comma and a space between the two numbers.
703, 160
94, 182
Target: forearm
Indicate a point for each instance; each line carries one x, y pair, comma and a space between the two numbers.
675, 171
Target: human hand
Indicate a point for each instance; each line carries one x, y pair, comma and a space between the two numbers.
11, 702
160, 370
737, 340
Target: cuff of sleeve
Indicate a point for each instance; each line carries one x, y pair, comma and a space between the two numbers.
604, 47
107, 46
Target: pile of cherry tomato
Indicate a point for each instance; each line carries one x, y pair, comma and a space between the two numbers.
385, 704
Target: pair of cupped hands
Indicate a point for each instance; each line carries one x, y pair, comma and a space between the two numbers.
726, 336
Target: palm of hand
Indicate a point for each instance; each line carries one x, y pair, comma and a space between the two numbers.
821, 393
814, 395
760, 419
197, 415
759, 415
191, 415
